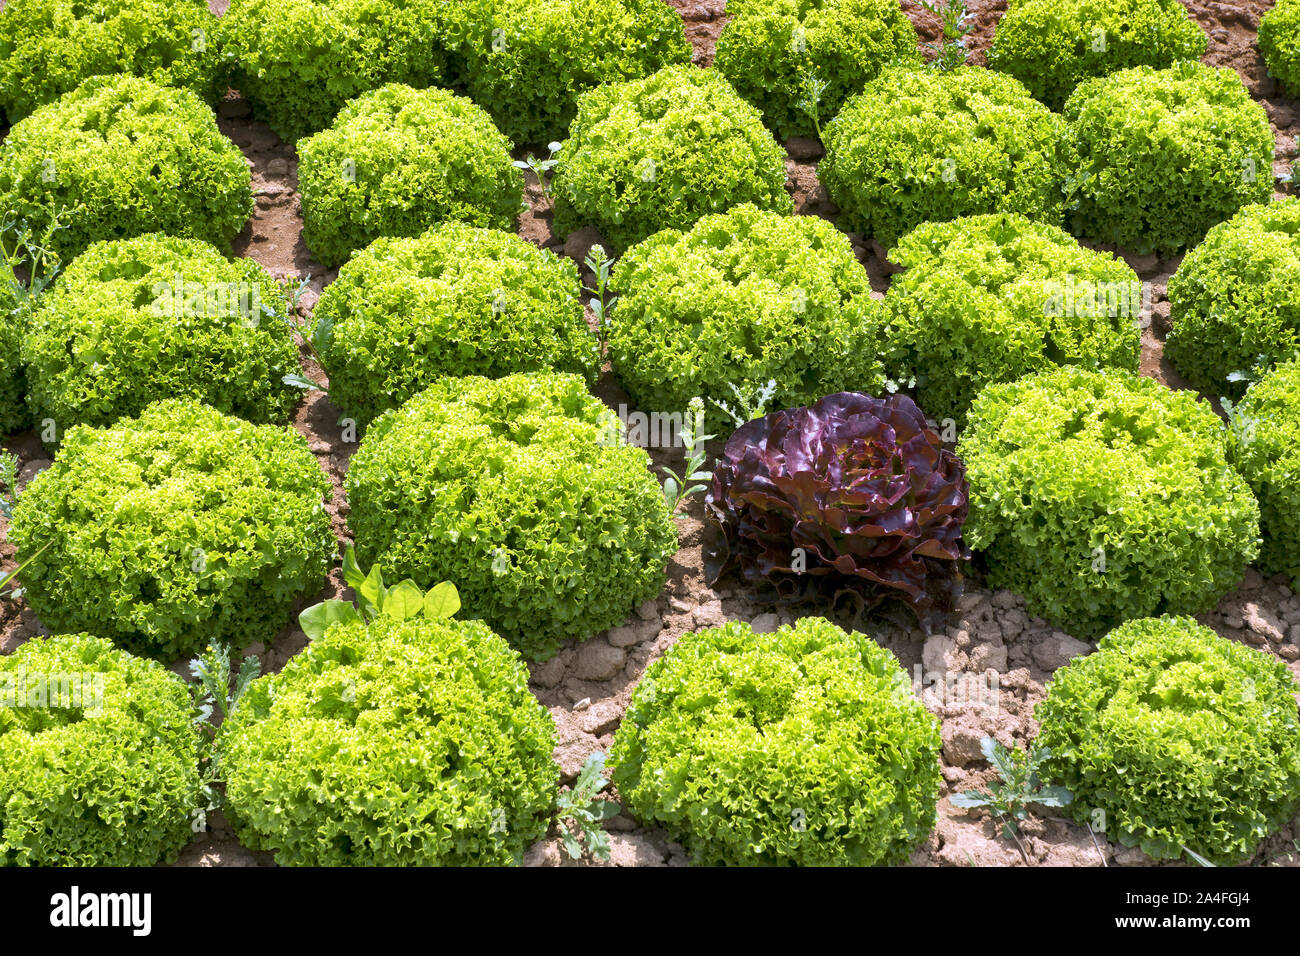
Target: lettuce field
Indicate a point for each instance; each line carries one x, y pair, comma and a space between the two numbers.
649, 433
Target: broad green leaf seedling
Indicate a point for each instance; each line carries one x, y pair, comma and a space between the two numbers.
402, 601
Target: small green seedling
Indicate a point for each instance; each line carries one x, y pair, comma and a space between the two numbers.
580, 807
540, 167
26, 255
952, 14
810, 104
748, 406
677, 489
23, 250
402, 601
602, 302
8, 483
1020, 786
214, 694
1241, 425
315, 341
8, 501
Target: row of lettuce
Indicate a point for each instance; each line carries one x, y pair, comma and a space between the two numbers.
417, 742
1097, 494
1147, 159
528, 63
737, 300
742, 299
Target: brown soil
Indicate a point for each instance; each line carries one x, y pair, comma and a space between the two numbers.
587, 686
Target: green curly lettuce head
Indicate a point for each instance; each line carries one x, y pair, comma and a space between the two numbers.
14, 415
994, 297
804, 746
777, 53
1279, 42
400, 743
660, 152
516, 491
1101, 496
178, 529
919, 145
457, 300
528, 62
1052, 46
48, 47
1265, 448
300, 61
119, 157
1157, 157
1182, 739
737, 301
1235, 300
397, 161
99, 756
132, 321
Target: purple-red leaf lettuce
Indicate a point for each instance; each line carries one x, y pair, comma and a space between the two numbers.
852, 492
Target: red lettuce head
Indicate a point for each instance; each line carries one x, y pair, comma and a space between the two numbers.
851, 492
